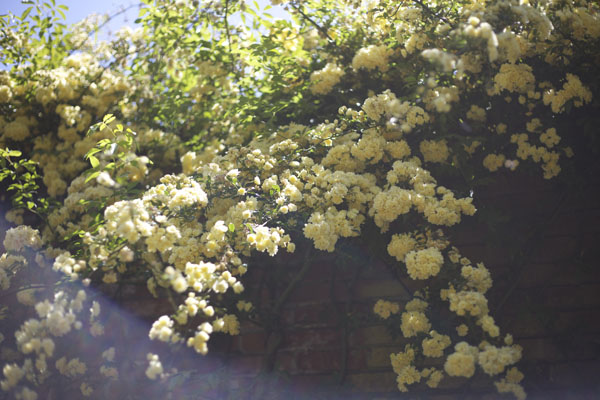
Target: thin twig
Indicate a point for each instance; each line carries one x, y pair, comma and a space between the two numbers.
344, 318
309, 19
431, 13
97, 28
33, 286
275, 337
306, 264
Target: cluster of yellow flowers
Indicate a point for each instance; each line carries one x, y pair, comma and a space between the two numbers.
434, 151
423, 264
466, 303
572, 89
372, 57
385, 308
324, 80
60, 153
37, 340
435, 94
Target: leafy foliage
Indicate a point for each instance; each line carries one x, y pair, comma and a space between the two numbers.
201, 146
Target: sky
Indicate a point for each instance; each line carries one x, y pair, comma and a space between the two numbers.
79, 9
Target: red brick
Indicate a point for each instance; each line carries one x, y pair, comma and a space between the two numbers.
572, 222
523, 324
379, 357
309, 361
526, 203
555, 248
554, 298
585, 202
286, 361
584, 321
385, 288
584, 295
320, 269
249, 327
576, 375
374, 382
356, 359
317, 338
536, 275
488, 253
250, 343
540, 349
309, 386
589, 247
313, 292
147, 308
374, 335
324, 268
449, 382
308, 315
247, 365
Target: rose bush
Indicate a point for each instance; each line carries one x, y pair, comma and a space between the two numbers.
174, 153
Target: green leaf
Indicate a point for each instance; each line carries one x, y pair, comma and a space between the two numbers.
92, 176
26, 13
108, 118
103, 143
93, 161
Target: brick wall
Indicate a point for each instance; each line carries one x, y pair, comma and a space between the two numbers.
325, 342
546, 293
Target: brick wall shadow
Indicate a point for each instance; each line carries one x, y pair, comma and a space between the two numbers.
546, 293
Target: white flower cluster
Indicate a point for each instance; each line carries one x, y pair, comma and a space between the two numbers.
325, 79
401, 245
573, 90
69, 265
396, 201
423, 264
155, 368
263, 238
477, 29
33, 339
70, 368
372, 57
128, 219
58, 317
162, 329
325, 229
227, 324
493, 360
17, 239
462, 361
446, 60
201, 337
385, 308
389, 106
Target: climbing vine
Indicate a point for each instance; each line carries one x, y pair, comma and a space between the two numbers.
214, 151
